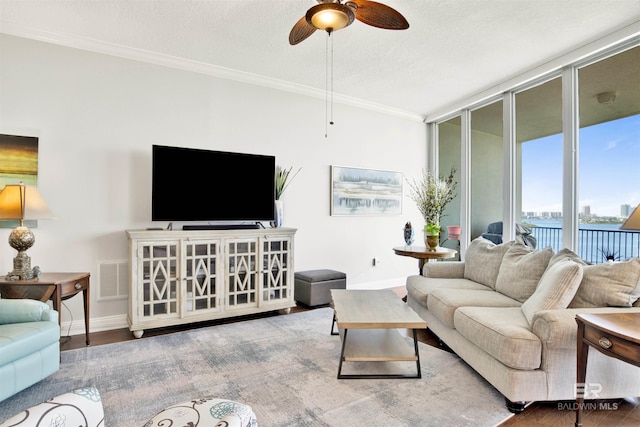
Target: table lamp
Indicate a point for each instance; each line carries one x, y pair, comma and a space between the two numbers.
20, 202
633, 222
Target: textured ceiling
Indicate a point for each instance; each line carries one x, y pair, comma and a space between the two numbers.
452, 50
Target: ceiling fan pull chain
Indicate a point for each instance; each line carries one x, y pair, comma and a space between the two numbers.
331, 121
326, 85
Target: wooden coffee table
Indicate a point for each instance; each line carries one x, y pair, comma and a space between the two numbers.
368, 322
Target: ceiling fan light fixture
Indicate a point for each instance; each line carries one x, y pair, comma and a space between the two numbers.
330, 16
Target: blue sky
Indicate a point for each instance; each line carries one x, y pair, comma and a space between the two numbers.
609, 169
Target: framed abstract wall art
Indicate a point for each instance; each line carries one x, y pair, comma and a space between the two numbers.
356, 191
18, 162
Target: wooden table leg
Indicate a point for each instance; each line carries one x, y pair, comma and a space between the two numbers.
581, 373
56, 300
421, 263
85, 295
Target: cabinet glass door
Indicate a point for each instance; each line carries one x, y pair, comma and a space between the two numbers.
159, 291
201, 279
275, 269
242, 259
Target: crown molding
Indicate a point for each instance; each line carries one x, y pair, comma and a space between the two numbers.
155, 58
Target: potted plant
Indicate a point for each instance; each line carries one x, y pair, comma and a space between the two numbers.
432, 195
282, 180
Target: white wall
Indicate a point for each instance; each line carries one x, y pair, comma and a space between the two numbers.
97, 117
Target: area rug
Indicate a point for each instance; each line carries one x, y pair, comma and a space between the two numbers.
284, 367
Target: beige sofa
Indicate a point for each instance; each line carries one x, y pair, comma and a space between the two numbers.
509, 312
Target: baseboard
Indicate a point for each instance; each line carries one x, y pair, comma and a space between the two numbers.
98, 324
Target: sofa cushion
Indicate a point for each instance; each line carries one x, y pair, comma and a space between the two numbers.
502, 332
609, 284
21, 310
18, 340
556, 289
482, 261
419, 287
521, 270
443, 303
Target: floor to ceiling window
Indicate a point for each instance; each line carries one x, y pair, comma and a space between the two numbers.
601, 180
539, 161
486, 173
609, 155
449, 137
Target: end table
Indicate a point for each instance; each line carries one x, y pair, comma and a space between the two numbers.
613, 334
423, 254
56, 287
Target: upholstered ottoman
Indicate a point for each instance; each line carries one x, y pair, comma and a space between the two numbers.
313, 287
81, 407
205, 412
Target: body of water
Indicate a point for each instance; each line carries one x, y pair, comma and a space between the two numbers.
557, 223
595, 241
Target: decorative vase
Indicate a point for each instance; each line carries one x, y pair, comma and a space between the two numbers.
409, 234
278, 209
432, 242
432, 236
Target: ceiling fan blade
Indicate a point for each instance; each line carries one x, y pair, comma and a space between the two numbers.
301, 31
379, 15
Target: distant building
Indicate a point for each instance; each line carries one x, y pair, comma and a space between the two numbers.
586, 210
625, 210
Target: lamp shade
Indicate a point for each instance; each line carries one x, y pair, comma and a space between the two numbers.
633, 222
19, 201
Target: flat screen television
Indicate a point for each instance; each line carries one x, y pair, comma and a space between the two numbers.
191, 184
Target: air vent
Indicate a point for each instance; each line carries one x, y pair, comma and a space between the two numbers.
113, 282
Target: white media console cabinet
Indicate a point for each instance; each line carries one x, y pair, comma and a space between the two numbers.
184, 276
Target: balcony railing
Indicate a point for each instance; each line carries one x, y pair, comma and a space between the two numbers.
594, 246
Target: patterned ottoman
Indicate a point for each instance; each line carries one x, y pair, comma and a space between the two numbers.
205, 412
81, 407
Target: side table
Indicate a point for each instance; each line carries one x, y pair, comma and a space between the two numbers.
423, 255
613, 334
56, 287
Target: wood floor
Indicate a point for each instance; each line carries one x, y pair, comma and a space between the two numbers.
618, 412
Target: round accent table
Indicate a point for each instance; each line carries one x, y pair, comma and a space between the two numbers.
423, 255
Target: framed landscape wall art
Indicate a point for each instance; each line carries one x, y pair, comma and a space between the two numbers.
356, 191
18, 162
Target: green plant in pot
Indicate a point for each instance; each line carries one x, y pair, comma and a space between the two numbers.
432, 195
432, 229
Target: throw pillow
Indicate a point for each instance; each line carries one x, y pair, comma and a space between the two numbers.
609, 285
482, 261
521, 270
557, 287
566, 254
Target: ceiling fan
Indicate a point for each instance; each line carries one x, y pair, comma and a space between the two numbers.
332, 15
